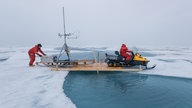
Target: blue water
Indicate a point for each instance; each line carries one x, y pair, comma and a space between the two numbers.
127, 90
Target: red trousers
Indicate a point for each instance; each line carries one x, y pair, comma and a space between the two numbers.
32, 58
127, 56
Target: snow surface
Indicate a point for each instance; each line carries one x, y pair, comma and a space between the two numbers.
176, 63
39, 87
30, 87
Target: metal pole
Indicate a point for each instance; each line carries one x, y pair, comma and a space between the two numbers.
64, 30
64, 25
65, 36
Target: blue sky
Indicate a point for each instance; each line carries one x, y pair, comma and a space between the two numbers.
100, 22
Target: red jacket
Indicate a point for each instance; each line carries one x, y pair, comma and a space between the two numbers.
124, 50
35, 50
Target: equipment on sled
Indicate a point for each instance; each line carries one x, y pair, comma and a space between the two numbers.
58, 60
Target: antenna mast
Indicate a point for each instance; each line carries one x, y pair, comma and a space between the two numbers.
66, 36
64, 29
65, 47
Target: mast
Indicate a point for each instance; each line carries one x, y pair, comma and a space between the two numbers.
64, 29
65, 47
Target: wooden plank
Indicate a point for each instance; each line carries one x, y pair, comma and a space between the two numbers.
88, 65
95, 67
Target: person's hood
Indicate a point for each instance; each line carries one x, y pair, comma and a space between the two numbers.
123, 45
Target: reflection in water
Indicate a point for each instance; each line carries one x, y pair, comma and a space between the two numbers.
127, 90
127, 82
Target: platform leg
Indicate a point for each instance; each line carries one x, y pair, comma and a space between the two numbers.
140, 68
97, 71
57, 67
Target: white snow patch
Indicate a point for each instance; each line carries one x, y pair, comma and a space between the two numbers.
28, 87
171, 63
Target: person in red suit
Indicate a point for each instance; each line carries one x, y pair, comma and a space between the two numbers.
124, 51
33, 51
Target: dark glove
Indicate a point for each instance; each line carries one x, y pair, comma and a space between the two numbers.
40, 55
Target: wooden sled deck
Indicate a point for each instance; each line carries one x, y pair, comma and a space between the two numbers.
88, 65
96, 67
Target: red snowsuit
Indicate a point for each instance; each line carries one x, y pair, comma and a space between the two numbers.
123, 52
32, 53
